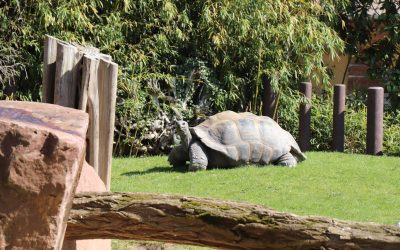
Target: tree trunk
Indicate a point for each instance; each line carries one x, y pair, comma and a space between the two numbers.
215, 223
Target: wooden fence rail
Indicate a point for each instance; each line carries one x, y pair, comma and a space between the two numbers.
81, 77
216, 223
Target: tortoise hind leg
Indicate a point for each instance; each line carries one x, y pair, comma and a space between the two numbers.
287, 160
198, 157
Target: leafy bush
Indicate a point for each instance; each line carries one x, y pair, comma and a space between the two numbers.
322, 121
178, 59
372, 36
391, 134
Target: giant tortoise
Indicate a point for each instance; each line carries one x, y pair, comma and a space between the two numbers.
229, 139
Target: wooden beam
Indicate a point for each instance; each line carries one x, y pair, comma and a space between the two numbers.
89, 102
215, 223
107, 73
66, 86
49, 68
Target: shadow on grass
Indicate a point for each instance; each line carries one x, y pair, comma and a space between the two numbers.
181, 169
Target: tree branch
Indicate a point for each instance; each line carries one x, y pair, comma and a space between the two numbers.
215, 223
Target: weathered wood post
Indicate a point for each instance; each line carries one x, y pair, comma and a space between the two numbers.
49, 68
305, 117
375, 120
65, 88
269, 102
108, 72
81, 77
339, 98
89, 102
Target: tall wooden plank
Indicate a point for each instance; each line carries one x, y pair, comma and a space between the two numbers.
89, 102
65, 88
104, 57
49, 68
107, 73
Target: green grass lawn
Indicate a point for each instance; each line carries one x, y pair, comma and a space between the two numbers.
344, 186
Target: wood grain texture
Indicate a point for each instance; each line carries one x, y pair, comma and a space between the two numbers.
49, 68
66, 84
89, 102
107, 73
215, 223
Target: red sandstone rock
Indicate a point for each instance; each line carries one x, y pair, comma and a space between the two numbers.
42, 149
88, 182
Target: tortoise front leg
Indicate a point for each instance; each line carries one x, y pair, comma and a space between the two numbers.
198, 157
287, 160
178, 156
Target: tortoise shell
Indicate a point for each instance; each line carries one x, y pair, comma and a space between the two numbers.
246, 138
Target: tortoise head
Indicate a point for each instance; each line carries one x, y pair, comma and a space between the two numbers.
182, 129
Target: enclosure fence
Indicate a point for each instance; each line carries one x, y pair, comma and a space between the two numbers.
81, 77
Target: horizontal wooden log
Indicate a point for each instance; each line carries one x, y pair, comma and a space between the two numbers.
215, 223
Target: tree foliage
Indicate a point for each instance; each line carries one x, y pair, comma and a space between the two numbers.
178, 59
372, 33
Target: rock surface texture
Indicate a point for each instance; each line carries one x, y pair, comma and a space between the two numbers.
88, 182
42, 149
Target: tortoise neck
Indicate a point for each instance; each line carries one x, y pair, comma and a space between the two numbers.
186, 137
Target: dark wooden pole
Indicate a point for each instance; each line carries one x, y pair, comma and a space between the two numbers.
305, 118
269, 101
375, 121
339, 98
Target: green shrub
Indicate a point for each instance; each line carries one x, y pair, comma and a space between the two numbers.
178, 58
375, 41
355, 130
391, 134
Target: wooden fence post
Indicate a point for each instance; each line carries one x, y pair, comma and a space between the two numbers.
269, 101
49, 68
86, 79
89, 102
339, 98
108, 72
375, 120
305, 117
65, 79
